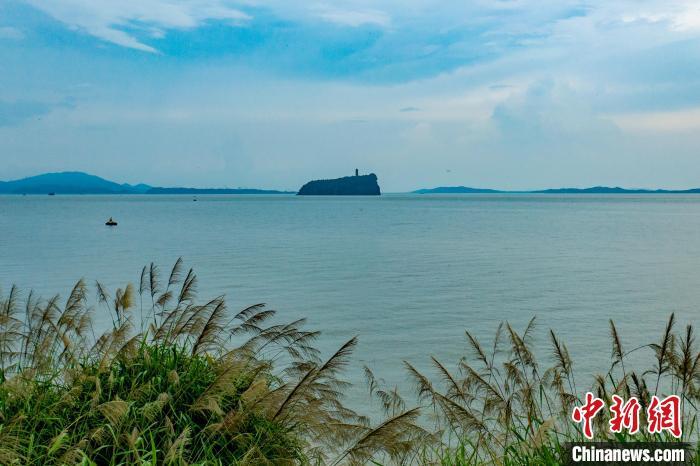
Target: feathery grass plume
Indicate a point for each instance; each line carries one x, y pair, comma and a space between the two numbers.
391, 402
188, 289
454, 389
303, 392
664, 350
423, 385
114, 411
563, 363
176, 450
478, 350
153, 285
640, 390
210, 334
175, 273
617, 352
392, 436
687, 371
10, 331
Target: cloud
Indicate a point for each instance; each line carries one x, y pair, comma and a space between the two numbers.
681, 15
354, 18
675, 121
119, 22
550, 116
384, 40
11, 33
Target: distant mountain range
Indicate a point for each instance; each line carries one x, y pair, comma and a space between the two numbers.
593, 190
84, 183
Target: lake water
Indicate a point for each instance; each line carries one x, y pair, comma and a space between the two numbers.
407, 273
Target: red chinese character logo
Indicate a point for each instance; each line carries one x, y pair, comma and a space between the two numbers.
587, 412
624, 415
665, 415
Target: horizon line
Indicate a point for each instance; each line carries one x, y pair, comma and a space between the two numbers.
471, 189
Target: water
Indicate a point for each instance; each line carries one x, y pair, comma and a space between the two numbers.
407, 273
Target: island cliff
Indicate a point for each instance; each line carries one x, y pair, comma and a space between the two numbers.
358, 185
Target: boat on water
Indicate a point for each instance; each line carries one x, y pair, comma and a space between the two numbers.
111, 222
52, 194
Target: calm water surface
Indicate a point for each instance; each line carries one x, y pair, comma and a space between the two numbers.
407, 273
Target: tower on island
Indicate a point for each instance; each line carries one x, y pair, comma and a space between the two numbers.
357, 172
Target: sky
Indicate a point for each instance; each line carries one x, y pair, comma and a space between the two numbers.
510, 94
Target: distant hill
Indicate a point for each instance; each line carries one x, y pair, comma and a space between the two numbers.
593, 190
358, 185
68, 183
84, 183
615, 190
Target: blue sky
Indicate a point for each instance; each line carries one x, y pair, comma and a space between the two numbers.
508, 94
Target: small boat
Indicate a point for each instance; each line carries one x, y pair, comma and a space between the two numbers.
111, 223
52, 194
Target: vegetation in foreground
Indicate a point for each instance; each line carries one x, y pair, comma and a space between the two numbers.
502, 406
175, 381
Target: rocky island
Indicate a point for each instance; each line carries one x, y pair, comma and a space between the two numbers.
358, 185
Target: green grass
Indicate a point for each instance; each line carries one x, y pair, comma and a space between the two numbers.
176, 381
140, 409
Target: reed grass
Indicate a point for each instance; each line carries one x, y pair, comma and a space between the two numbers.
504, 405
175, 381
